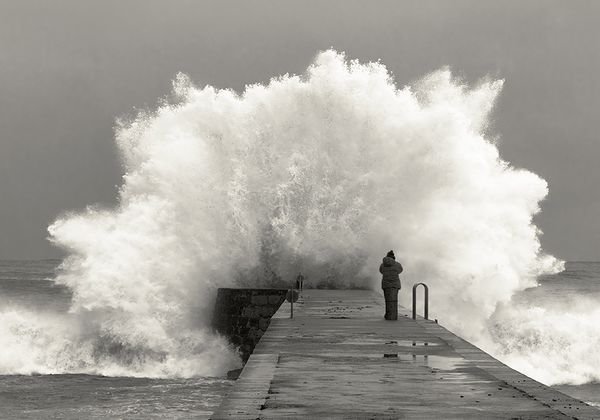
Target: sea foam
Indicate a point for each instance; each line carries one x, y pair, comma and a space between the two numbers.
322, 172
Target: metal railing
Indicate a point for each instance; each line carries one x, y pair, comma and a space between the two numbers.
414, 301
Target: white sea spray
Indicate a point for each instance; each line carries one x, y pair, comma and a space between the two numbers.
324, 173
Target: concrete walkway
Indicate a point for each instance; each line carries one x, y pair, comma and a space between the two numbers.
338, 358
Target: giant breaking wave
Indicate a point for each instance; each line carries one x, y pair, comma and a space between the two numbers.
322, 173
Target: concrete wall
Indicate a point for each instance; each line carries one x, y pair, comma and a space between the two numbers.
243, 315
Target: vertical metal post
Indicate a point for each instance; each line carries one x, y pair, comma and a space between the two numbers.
414, 301
291, 296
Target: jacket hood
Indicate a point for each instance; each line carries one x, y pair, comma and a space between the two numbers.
388, 261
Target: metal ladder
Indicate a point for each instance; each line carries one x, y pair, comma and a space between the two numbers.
414, 301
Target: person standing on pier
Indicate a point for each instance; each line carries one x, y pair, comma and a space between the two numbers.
300, 281
390, 283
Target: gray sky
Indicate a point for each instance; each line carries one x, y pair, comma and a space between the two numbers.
68, 68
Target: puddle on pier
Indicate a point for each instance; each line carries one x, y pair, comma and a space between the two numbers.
438, 362
412, 343
434, 362
400, 343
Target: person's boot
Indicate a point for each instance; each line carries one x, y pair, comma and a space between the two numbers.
387, 310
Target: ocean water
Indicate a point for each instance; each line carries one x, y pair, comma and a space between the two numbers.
574, 291
28, 285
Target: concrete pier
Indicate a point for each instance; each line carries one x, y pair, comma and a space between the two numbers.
338, 358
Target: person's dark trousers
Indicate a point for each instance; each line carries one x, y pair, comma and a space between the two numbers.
391, 303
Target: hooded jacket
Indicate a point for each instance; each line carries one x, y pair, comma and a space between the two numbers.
390, 269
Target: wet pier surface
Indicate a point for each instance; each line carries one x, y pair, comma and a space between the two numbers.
338, 358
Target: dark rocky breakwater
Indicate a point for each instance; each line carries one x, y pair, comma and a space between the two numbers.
243, 315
